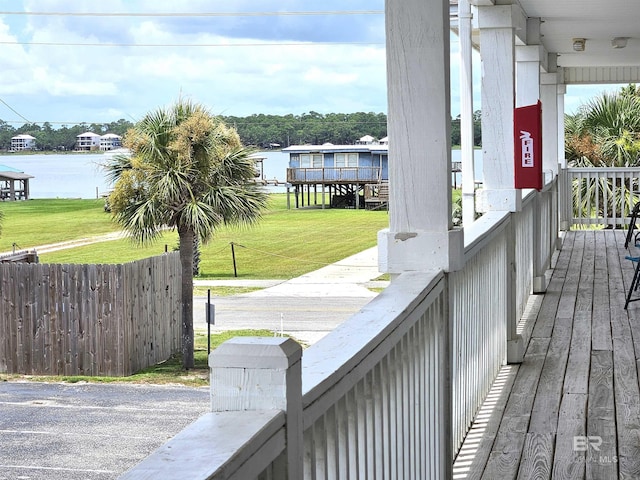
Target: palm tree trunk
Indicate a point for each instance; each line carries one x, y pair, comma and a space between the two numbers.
186, 262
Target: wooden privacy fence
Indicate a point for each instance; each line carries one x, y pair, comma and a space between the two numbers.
107, 320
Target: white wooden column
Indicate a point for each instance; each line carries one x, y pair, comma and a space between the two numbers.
562, 90
420, 234
497, 50
564, 222
466, 114
550, 118
498, 95
529, 59
527, 74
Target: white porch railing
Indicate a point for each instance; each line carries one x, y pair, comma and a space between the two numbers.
597, 196
392, 391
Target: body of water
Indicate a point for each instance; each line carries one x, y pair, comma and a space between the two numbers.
81, 175
61, 176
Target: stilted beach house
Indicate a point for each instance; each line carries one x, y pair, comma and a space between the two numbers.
348, 176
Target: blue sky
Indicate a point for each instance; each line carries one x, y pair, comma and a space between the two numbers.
234, 64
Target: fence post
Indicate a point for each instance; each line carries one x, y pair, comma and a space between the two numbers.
262, 373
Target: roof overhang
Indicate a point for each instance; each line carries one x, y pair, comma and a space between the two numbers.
14, 176
555, 25
336, 148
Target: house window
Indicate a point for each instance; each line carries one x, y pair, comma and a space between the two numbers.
311, 160
346, 159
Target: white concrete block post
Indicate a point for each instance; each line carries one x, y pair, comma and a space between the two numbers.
262, 373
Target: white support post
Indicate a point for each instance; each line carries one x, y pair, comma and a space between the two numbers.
515, 342
529, 59
262, 373
564, 222
550, 119
498, 24
466, 114
562, 90
528, 74
539, 265
420, 235
498, 97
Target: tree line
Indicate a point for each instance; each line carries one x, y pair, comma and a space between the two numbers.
258, 130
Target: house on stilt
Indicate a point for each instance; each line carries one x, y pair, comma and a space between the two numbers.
339, 176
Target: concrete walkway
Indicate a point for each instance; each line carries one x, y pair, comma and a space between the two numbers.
350, 277
306, 307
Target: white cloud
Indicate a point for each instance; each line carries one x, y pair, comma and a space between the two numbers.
286, 65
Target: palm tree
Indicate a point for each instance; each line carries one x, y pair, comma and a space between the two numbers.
187, 171
605, 133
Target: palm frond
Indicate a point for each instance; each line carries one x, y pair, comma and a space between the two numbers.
193, 173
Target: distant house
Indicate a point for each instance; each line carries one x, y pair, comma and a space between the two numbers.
110, 141
366, 140
87, 141
22, 142
354, 175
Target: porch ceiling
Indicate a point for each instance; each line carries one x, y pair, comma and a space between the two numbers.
597, 21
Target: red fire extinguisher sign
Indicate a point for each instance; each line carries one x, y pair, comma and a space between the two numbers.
527, 123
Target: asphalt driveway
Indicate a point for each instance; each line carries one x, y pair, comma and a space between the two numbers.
88, 431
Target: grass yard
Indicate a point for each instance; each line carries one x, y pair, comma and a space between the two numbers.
284, 244
40, 222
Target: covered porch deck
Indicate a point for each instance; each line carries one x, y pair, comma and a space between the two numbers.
571, 409
14, 184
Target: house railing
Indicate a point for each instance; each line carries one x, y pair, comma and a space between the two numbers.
333, 175
597, 196
392, 391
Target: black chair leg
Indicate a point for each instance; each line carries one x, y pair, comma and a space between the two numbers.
634, 285
635, 213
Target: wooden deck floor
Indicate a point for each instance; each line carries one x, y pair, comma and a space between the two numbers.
571, 410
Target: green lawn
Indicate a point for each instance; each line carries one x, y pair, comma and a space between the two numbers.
40, 222
284, 244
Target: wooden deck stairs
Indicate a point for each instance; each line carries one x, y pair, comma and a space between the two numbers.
376, 195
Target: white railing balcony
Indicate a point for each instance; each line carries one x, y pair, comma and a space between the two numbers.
334, 175
390, 393
598, 196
